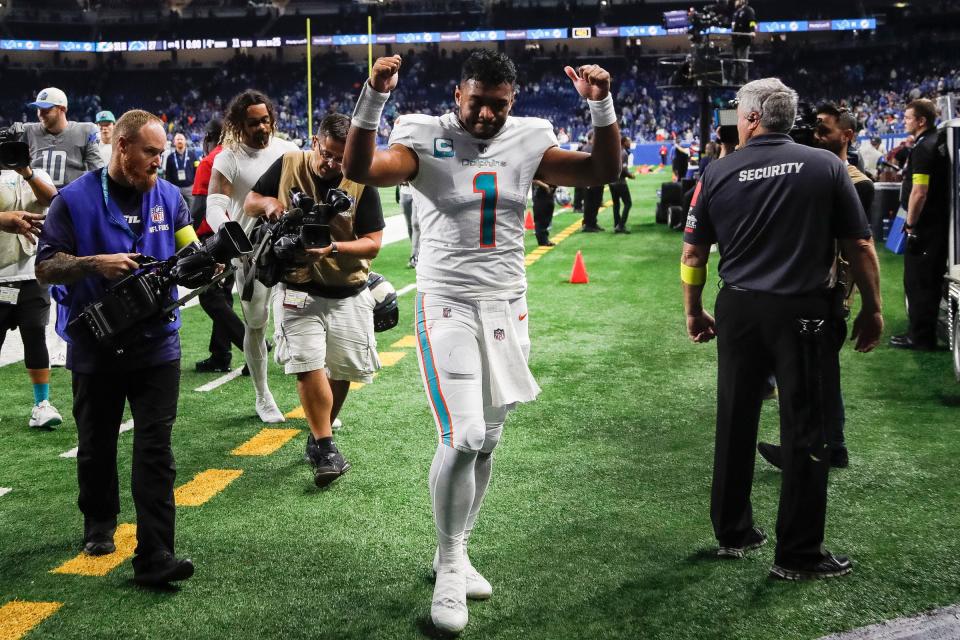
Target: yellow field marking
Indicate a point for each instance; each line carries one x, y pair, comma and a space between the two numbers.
297, 413
539, 252
204, 486
356, 385
405, 342
265, 442
390, 358
83, 565
18, 617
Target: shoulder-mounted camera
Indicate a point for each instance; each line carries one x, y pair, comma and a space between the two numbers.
14, 152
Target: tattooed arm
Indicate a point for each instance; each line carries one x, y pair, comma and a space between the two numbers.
63, 268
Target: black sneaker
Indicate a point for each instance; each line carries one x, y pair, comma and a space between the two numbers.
163, 569
839, 458
98, 537
213, 365
755, 539
771, 453
830, 566
327, 465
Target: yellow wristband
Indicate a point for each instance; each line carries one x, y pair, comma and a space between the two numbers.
184, 236
694, 276
921, 178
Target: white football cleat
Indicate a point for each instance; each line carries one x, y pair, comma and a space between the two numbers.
45, 416
478, 588
449, 607
268, 410
336, 425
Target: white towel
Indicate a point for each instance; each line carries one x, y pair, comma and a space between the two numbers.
510, 378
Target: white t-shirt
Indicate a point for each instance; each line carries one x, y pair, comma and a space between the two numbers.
17, 254
105, 151
470, 195
243, 166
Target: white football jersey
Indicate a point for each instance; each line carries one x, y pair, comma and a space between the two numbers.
243, 166
470, 196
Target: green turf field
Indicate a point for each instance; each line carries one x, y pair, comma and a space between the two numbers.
596, 524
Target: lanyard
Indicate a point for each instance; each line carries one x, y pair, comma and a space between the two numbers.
177, 163
106, 202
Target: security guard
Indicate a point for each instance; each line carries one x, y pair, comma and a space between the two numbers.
94, 230
776, 210
925, 195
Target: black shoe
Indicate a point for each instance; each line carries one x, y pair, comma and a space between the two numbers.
213, 365
590, 229
755, 539
98, 537
547, 244
618, 229
771, 453
904, 341
162, 569
839, 458
624, 230
245, 371
830, 566
327, 465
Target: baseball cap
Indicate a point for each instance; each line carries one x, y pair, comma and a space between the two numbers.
50, 97
104, 116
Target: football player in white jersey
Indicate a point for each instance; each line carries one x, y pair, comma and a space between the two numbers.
249, 148
470, 172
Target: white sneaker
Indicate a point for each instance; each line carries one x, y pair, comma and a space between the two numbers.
337, 425
478, 588
58, 356
268, 410
449, 607
45, 416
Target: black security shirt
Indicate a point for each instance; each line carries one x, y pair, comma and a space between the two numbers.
775, 208
926, 165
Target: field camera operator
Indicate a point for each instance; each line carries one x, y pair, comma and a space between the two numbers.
325, 322
99, 229
776, 209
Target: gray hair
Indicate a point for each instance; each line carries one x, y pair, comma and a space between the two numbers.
774, 101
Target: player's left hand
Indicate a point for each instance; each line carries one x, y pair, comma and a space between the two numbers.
591, 81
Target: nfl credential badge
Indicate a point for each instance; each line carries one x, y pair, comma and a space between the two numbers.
442, 148
498, 334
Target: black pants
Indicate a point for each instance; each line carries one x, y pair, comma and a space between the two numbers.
98, 400
217, 302
30, 314
741, 51
591, 205
578, 195
923, 284
620, 192
757, 333
542, 218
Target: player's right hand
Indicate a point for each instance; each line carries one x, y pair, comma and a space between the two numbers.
116, 265
385, 73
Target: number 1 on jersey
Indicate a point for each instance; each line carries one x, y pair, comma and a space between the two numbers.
486, 185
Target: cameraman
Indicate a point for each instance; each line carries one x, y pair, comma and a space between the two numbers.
326, 318
94, 231
776, 209
925, 194
744, 22
25, 194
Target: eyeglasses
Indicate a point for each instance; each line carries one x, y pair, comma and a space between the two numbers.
326, 156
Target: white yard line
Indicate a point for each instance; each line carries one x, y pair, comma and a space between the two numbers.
124, 427
406, 289
222, 380
939, 624
5, 490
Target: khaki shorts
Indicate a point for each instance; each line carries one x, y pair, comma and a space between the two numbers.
333, 333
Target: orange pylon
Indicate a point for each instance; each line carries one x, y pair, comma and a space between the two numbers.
579, 273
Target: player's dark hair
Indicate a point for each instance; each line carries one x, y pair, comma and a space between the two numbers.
844, 117
236, 113
336, 126
489, 68
923, 108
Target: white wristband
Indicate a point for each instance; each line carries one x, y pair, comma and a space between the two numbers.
366, 115
602, 112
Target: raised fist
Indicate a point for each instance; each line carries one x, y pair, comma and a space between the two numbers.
383, 77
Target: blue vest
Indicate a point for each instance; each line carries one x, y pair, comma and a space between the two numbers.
100, 228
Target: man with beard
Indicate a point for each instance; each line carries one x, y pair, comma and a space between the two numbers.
249, 148
469, 167
95, 230
181, 167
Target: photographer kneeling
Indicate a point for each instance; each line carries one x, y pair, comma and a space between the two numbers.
94, 232
325, 321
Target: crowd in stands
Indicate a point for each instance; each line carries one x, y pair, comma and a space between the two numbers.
876, 88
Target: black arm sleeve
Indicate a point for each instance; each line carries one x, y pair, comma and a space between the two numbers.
369, 217
269, 183
849, 218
